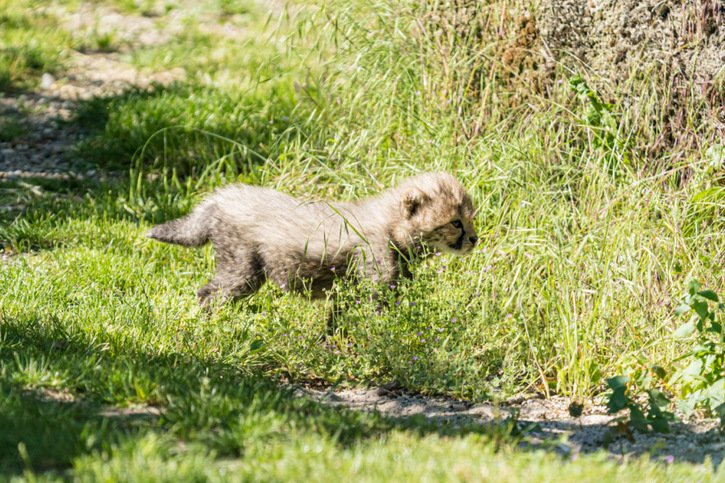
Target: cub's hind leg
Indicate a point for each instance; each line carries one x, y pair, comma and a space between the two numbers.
226, 285
239, 274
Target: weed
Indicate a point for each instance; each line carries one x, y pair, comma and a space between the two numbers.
701, 381
602, 123
654, 418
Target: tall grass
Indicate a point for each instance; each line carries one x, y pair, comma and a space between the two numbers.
586, 238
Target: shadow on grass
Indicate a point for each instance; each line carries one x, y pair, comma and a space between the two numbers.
176, 140
44, 432
186, 128
33, 207
200, 401
207, 402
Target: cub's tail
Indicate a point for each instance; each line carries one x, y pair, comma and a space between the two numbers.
192, 230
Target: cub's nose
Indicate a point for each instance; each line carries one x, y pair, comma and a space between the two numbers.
473, 239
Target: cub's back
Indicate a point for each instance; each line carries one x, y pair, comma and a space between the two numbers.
266, 216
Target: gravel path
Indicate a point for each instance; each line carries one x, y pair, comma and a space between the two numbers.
546, 423
42, 146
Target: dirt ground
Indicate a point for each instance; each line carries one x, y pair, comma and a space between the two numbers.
545, 423
44, 148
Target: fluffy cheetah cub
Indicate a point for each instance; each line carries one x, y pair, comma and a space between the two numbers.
260, 234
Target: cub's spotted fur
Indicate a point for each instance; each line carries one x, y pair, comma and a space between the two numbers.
260, 234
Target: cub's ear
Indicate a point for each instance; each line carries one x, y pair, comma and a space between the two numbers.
412, 201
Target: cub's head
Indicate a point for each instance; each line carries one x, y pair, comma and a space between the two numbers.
437, 211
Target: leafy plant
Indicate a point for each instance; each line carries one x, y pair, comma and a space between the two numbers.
600, 118
652, 418
702, 380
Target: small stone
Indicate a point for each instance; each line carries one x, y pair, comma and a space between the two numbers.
46, 81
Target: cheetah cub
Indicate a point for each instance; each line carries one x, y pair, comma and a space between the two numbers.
261, 234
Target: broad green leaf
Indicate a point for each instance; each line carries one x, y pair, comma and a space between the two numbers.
657, 398
256, 345
617, 382
687, 406
660, 425
715, 393
617, 399
638, 419
709, 295
659, 371
701, 309
693, 370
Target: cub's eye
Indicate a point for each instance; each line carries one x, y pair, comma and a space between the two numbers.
457, 224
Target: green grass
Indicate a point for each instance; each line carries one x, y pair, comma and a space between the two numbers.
33, 42
30, 44
162, 129
586, 244
11, 128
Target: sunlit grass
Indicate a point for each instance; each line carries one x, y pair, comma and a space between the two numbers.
30, 44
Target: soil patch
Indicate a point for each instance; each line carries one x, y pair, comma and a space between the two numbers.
43, 141
546, 423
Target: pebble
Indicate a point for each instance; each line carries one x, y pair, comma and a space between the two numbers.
47, 81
